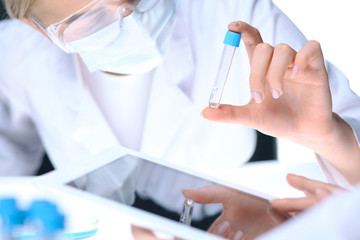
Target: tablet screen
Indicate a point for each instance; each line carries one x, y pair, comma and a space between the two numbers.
158, 189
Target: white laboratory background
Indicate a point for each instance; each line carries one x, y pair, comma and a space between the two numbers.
335, 24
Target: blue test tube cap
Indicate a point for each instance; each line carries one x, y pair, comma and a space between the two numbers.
53, 222
10, 214
7, 204
47, 214
232, 38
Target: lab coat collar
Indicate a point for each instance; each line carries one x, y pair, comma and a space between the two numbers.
167, 109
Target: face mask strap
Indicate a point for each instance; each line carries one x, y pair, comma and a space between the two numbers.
142, 8
123, 9
38, 24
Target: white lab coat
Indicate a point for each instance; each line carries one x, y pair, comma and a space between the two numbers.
46, 103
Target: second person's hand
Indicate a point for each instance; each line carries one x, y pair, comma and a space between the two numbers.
244, 216
315, 192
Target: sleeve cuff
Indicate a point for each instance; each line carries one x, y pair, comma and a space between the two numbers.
355, 125
332, 174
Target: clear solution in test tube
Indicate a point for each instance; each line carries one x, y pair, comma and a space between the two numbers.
231, 42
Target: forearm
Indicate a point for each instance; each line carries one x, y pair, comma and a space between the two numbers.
341, 149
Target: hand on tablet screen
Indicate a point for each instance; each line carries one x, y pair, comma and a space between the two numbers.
244, 216
141, 233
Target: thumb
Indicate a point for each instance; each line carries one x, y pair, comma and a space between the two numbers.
229, 114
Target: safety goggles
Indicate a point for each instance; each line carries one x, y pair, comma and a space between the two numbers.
96, 15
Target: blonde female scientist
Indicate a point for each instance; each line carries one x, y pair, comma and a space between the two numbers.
102, 73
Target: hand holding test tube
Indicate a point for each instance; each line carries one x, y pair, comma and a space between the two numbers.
291, 99
231, 41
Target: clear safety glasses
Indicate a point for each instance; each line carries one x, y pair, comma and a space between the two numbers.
96, 15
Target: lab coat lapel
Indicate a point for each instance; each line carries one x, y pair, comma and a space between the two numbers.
91, 130
166, 112
169, 101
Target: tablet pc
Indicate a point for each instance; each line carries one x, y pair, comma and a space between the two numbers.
127, 180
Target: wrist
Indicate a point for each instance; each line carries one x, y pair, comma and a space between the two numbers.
339, 134
340, 148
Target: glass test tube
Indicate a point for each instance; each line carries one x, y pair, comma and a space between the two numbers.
231, 41
187, 211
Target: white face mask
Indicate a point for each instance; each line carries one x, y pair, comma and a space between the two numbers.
137, 48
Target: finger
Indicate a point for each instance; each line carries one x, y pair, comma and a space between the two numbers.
231, 114
277, 216
309, 185
142, 233
249, 35
310, 56
321, 194
259, 67
207, 194
220, 227
292, 204
223, 229
283, 57
303, 184
239, 235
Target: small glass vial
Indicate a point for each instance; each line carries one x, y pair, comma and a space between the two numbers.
187, 211
231, 41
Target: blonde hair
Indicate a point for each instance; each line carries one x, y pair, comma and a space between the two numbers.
18, 8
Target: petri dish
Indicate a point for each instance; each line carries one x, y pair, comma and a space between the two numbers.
81, 227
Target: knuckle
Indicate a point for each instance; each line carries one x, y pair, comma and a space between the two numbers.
282, 48
241, 24
256, 31
315, 44
310, 52
301, 57
263, 47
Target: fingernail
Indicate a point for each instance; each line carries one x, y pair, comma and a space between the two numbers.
238, 235
257, 96
223, 227
275, 93
294, 72
235, 23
